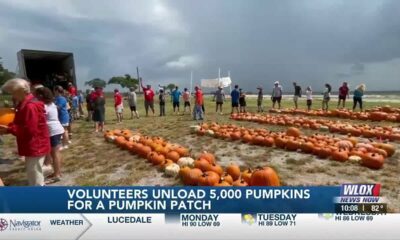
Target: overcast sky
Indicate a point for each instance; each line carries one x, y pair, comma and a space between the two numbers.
258, 41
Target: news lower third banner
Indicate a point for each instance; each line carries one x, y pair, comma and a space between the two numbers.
336, 212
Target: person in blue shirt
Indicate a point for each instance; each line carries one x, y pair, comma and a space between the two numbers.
176, 94
63, 115
357, 96
235, 99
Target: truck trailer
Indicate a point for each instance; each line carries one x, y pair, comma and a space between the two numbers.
48, 68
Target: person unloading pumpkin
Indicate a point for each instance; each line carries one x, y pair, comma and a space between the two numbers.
30, 129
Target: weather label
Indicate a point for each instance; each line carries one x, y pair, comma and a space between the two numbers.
200, 220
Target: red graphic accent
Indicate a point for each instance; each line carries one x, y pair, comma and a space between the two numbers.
377, 189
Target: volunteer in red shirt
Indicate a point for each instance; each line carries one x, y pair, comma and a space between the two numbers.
343, 94
118, 105
30, 129
148, 98
72, 90
198, 110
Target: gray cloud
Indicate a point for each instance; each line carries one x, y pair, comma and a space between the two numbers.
311, 42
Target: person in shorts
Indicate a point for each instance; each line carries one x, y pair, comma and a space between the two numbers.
219, 98
235, 99
309, 97
326, 97
56, 131
297, 94
186, 99
118, 105
276, 96
132, 101
148, 98
63, 115
343, 94
176, 94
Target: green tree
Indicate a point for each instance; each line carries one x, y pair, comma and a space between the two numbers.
5, 74
96, 82
125, 81
171, 87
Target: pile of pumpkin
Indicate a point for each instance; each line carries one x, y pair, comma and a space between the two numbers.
369, 154
334, 126
345, 113
175, 160
386, 108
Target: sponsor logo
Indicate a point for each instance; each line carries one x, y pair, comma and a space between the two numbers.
360, 190
3, 224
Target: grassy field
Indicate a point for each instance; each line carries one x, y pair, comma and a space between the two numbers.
91, 161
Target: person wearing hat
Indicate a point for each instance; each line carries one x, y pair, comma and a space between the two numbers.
276, 95
132, 100
219, 98
343, 94
118, 105
148, 98
297, 94
235, 99
260, 97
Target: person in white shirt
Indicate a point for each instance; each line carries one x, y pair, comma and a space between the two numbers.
56, 130
309, 97
276, 95
132, 100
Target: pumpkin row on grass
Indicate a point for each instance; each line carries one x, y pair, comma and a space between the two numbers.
369, 154
175, 160
333, 126
345, 113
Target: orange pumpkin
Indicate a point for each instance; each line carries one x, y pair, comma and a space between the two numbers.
340, 155
143, 151
173, 155
294, 132
246, 175
372, 160
264, 176
292, 145
389, 148
192, 176
215, 168
208, 156
223, 184
183, 152
208, 178
234, 171
183, 171
307, 147
240, 183
202, 164
227, 178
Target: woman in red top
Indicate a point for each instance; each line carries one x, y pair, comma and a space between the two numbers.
30, 129
343, 94
118, 105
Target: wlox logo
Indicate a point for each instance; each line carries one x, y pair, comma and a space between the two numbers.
360, 190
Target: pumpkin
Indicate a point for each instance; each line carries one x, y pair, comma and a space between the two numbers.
234, 171
173, 155
389, 148
264, 176
340, 155
355, 158
166, 163
208, 156
110, 138
227, 178
307, 147
215, 168
223, 184
208, 178
268, 141
292, 145
240, 183
192, 176
246, 175
247, 138
322, 152
185, 161
280, 142
202, 164
156, 158
235, 135
258, 140
294, 132
372, 160
378, 116
194, 129
183, 152
172, 170
143, 151
120, 141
